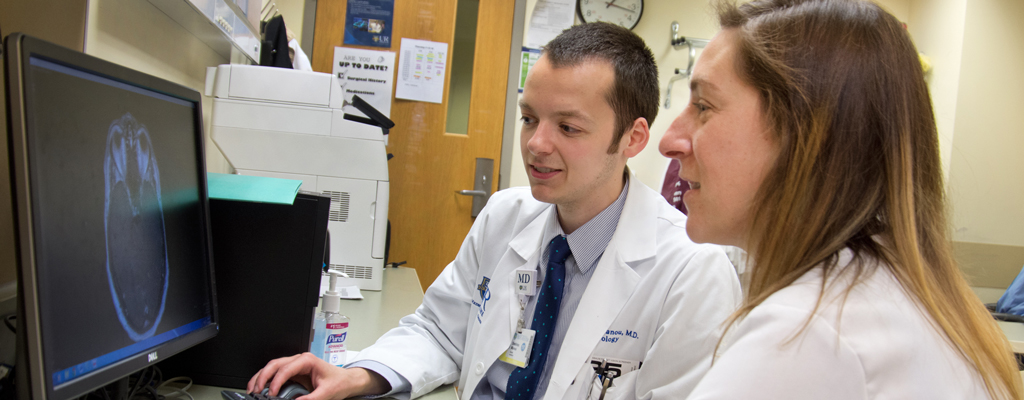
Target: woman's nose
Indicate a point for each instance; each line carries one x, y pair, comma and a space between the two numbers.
676, 143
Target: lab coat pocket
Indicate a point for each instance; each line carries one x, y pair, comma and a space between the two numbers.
622, 387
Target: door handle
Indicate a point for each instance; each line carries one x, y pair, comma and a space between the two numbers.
479, 193
481, 185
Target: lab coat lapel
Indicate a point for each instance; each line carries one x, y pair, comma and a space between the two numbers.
611, 285
495, 332
527, 246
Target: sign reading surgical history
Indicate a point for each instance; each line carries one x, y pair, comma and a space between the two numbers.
368, 74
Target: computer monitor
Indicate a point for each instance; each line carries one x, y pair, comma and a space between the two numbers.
112, 219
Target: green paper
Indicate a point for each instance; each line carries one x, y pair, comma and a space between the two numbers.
252, 188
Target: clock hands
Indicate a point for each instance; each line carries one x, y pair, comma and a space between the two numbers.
612, 4
590, 11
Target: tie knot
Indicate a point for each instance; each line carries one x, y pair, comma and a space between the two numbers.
559, 250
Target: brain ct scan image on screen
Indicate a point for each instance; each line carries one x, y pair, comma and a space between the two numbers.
136, 243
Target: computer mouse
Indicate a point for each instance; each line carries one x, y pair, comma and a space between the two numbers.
289, 390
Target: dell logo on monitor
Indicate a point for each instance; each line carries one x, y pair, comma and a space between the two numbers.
152, 356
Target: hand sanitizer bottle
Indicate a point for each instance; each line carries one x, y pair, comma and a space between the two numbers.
335, 330
316, 343
316, 346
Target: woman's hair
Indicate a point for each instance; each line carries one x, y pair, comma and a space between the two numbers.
844, 94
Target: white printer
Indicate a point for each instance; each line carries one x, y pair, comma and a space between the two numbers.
285, 123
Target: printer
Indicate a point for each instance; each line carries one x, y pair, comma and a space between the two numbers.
285, 123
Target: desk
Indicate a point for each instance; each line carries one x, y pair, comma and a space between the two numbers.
378, 312
370, 318
1014, 331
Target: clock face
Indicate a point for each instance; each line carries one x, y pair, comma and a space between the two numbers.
625, 13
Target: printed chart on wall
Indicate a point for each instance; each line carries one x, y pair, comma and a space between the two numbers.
549, 19
368, 22
421, 70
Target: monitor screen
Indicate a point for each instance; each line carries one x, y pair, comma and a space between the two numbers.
114, 196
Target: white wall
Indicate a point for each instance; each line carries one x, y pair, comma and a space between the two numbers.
987, 169
898, 8
937, 27
137, 35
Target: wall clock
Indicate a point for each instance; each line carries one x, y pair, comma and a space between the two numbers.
625, 13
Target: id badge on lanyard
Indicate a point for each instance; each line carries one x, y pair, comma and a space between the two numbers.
518, 352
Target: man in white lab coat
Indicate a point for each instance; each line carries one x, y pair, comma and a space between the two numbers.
640, 306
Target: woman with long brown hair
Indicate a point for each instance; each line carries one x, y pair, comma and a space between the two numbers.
811, 143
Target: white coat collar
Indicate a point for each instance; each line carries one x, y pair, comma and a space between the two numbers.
634, 218
529, 240
638, 216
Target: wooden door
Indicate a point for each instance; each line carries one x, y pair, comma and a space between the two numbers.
428, 219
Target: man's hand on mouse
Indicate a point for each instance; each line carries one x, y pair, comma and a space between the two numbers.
325, 381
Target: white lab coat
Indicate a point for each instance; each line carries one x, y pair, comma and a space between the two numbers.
875, 344
655, 297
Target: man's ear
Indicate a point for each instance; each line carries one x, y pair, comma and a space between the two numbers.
635, 139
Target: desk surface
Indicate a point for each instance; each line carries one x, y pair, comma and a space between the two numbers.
370, 318
1014, 331
378, 312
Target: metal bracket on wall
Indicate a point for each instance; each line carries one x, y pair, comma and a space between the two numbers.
678, 43
482, 179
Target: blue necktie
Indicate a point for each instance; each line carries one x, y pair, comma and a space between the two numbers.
522, 383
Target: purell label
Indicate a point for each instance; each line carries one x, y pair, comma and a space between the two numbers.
339, 338
334, 343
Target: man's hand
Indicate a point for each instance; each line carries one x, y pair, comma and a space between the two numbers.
326, 382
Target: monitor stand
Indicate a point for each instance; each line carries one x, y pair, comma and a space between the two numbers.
122, 389
119, 389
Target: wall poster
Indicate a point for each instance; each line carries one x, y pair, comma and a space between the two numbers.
368, 22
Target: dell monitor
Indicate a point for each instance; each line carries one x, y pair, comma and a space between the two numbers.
111, 216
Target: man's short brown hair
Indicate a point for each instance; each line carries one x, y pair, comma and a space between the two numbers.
634, 94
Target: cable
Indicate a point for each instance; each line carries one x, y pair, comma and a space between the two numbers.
8, 321
138, 382
175, 391
146, 383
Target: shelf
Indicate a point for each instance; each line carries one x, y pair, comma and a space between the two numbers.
218, 23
